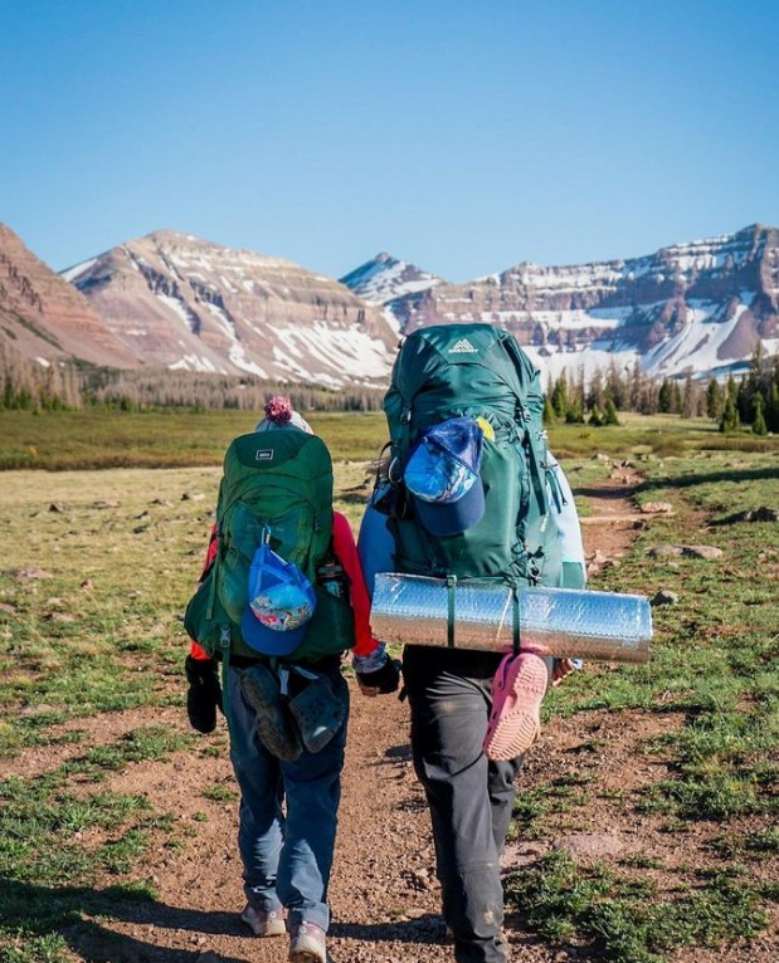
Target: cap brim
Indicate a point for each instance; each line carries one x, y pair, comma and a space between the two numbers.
452, 518
267, 641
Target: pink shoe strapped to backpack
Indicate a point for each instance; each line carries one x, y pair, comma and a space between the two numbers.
518, 690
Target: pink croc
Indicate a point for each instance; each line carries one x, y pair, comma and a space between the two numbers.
518, 690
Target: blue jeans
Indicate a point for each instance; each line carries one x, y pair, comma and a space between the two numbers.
287, 856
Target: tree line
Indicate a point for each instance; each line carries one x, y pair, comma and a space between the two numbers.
752, 400
29, 386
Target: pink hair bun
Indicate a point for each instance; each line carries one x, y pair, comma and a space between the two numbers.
278, 410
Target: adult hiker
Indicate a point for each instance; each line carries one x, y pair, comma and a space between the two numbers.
470, 494
281, 597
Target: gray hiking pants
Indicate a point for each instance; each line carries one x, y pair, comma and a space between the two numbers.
470, 797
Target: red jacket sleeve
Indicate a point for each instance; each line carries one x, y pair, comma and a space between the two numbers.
346, 552
195, 650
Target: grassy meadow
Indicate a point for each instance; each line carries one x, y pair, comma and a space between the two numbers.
173, 438
97, 565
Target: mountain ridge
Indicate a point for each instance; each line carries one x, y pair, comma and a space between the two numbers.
190, 304
699, 306
172, 299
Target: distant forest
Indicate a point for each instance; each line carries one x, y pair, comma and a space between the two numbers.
29, 385
753, 399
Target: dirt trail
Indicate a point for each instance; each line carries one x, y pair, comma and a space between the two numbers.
384, 893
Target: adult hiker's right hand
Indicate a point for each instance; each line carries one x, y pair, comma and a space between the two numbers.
204, 694
381, 681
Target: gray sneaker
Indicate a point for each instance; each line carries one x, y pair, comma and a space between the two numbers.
308, 944
264, 924
275, 728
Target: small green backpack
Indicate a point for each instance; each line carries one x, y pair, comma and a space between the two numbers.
477, 371
278, 482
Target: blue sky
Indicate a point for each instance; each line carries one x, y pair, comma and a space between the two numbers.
464, 136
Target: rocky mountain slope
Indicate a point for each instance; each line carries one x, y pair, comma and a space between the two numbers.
701, 306
44, 317
182, 302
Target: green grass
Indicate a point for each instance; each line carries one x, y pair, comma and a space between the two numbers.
169, 438
625, 919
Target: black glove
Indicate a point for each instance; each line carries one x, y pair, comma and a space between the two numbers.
204, 693
386, 679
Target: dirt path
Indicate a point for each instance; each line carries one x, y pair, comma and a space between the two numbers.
384, 893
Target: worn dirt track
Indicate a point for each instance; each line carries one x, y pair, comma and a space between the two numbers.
384, 894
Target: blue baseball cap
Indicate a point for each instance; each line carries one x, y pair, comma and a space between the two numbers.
281, 603
442, 473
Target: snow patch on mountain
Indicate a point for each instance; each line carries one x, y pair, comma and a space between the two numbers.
385, 278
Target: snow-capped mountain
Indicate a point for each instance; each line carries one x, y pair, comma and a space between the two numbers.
385, 280
174, 300
699, 307
185, 303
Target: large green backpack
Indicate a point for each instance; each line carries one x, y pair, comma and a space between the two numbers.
476, 370
277, 483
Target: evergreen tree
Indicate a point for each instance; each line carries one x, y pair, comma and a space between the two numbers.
596, 417
635, 387
595, 396
676, 396
772, 409
560, 396
616, 387
758, 424
549, 413
729, 420
713, 399
575, 413
665, 398
610, 414
688, 400
745, 395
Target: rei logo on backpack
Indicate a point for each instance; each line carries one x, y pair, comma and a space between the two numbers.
479, 373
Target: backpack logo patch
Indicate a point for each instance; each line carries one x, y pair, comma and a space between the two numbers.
463, 346
264, 454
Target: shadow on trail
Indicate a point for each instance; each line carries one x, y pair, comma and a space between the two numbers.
607, 494
708, 478
41, 911
424, 929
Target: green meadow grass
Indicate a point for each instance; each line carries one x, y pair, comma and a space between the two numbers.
170, 438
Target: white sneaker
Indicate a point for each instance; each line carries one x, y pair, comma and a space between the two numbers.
264, 924
308, 944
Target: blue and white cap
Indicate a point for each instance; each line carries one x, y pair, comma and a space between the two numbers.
281, 603
442, 473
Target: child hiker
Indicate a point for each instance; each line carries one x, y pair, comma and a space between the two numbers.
281, 597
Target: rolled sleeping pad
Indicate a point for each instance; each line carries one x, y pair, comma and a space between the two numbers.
375, 544
564, 623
